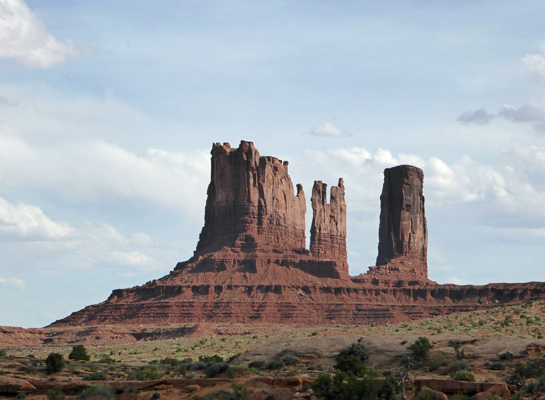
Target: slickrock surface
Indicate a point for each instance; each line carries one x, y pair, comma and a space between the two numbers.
251, 264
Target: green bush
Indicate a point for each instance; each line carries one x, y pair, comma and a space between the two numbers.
463, 375
97, 392
274, 364
151, 372
460, 396
257, 364
240, 392
345, 387
458, 366
55, 394
97, 376
421, 350
106, 359
351, 360
522, 372
28, 369
54, 363
3, 353
214, 370
79, 353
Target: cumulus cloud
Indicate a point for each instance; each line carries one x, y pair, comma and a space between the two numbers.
24, 221
479, 117
328, 129
24, 38
18, 283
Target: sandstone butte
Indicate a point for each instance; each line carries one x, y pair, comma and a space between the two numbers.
251, 264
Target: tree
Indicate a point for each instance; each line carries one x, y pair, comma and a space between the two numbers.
54, 363
421, 349
79, 353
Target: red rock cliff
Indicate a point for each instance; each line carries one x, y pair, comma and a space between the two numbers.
328, 230
403, 233
251, 202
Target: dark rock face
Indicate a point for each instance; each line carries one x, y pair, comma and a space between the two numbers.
251, 264
328, 230
403, 232
251, 203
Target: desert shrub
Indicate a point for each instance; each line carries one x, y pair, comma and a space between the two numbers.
523, 372
211, 359
55, 394
79, 353
290, 360
351, 360
506, 356
28, 369
106, 359
215, 369
199, 365
345, 387
433, 365
155, 396
274, 364
460, 396
463, 375
97, 376
98, 392
233, 357
240, 392
54, 363
21, 396
458, 366
3, 353
427, 396
151, 372
257, 364
421, 349
496, 366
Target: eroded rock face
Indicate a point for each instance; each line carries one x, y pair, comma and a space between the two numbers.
251, 203
403, 232
328, 230
251, 264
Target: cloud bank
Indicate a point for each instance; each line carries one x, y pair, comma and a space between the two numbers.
24, 38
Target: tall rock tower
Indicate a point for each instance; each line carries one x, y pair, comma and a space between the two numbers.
403, 233
328, 230
251, 203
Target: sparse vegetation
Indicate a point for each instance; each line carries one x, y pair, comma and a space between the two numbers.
79, 353
54, 363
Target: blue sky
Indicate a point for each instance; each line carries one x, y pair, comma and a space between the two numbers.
108, 111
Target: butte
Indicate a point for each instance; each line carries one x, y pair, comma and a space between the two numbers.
251, 264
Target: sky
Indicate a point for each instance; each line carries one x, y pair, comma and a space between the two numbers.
108, 112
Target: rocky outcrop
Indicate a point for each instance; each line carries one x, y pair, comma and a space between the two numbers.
403, 232
328, 230
251, 203
251, 264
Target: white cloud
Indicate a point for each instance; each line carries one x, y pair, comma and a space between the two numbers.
24, 38
135, 259
29, 222
479, 117
536, 63
328, 129
89, 170
15, 282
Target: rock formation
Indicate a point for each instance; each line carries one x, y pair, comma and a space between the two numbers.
403, 232
251, 203
328, 230
251, 264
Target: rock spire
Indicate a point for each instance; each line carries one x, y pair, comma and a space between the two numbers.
403, 233
328, 230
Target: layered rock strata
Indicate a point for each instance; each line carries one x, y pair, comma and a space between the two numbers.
251, 264
328, 230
